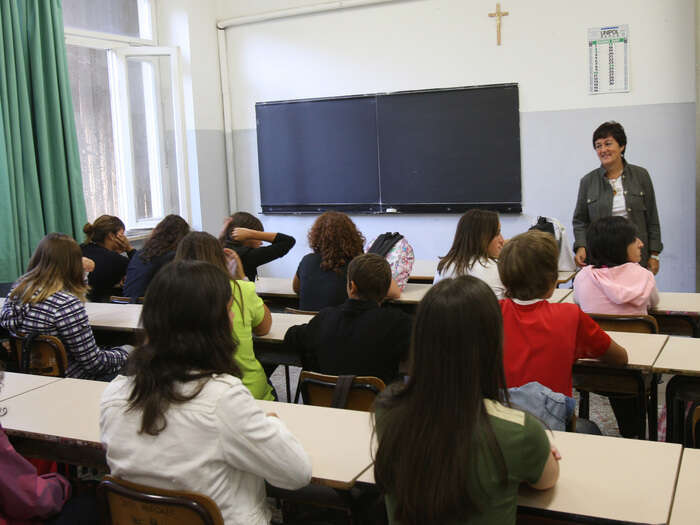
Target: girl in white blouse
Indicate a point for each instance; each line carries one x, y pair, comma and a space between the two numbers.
475, 250
181, 418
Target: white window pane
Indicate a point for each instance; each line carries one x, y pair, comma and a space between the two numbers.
93, 118
153, 147
120, 17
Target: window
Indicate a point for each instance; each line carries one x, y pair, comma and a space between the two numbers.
128, 109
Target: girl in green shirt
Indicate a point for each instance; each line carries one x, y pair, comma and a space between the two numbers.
450, 449
250, 315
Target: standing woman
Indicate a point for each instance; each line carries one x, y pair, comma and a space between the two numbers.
157, 251
105, 243
455, 406
619, 189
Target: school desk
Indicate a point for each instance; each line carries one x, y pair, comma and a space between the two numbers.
60, 421
636, 377
686, 505
15, 384
603, 477
423, 271
681, 357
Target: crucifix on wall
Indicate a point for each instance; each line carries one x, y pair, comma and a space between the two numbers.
498, 14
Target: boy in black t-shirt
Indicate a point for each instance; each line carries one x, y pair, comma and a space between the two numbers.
357, 337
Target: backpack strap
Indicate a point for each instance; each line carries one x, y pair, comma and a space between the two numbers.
384, 243
342, 391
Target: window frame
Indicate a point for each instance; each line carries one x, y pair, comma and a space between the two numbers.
119, 48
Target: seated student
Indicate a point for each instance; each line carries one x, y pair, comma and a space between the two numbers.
250, 314
542, 340
48, 299
475, 250
157, 251
357, 337
181, 418
450, 450
104, 244
321, 278
244, 234
614, 282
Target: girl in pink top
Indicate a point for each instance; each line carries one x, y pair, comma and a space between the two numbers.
614, 282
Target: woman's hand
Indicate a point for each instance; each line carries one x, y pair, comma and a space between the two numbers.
224, 229
580, 257
555, 452
88, 265
243, 234
653, 265
234, 265
123, 244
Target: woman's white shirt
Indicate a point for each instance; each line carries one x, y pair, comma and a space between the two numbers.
484, 269
220, 444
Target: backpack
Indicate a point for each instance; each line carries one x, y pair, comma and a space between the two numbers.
384, 243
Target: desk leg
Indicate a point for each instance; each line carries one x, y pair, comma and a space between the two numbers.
653, 408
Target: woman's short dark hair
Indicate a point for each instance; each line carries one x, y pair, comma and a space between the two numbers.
611, 129
529, 265
188, 337
456, 363
607, 240
371, 274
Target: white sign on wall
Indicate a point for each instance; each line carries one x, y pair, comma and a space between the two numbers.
608, 59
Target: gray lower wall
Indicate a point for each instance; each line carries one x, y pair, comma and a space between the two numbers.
213, 180
556, 153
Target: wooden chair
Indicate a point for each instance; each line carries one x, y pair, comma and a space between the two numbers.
350, 392
125, 502
596, 379
39, 354
639, 324
117, 299
291, 310
680, 391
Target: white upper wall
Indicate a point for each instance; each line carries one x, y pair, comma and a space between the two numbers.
423, 44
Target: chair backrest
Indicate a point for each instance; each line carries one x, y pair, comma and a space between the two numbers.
351, 392
125, 300
641, 324
125, 502
291, 310
39, 354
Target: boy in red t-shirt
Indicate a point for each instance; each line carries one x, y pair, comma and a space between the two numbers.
542, 340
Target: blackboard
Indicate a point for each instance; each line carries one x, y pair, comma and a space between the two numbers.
444, 150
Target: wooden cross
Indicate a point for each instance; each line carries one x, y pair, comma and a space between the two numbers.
498, 14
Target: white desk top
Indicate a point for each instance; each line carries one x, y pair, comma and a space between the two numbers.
681, 355
121, 317
281, 322
678, 303
16, 384
559, 295
602, 477
642, 349
68, 408
565, 277
337, 440
274, 287
686, 506
424, 269
612, 478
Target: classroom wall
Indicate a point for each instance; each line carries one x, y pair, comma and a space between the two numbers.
191, 25
442, 43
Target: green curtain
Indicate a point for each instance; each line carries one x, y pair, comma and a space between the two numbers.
41, 187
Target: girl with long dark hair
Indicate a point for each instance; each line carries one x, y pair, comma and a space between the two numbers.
181, 418
475, 250
450, 448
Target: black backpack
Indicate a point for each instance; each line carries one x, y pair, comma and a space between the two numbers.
384, 243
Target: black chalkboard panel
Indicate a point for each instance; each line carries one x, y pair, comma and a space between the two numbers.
449, 150
318, 155
443, 150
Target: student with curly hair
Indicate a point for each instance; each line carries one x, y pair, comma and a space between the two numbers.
157, 251
321, 277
